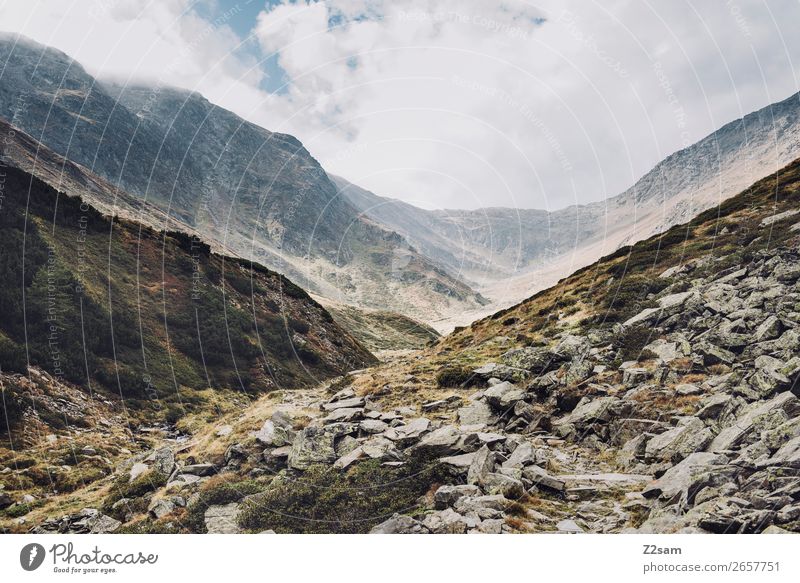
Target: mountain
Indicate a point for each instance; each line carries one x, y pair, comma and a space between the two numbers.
256, 193
507, 254
653, 391
150, 317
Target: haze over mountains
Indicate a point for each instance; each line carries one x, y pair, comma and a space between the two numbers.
508, 254
261, 194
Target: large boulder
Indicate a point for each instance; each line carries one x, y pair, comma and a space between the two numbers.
221, 519
316, 445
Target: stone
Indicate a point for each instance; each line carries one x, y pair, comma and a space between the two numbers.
569, 526
448, 495
441, 442
632, 377
590, 410
500, 371
686, 389
161, 507
351, 403
482, 464
344, 415
199, 469
688, 477
275, 434
667, 306
523, 455
458, 465
137, 470
476, 413
504, 395
445, 521
221, 519
690, 436
162, 460
442, 404
316, 445
373, 426
509, 487
399, 524
403, 435
750, 418
540, 478
712, 354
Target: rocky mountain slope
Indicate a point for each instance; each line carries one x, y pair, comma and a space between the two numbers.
653, 391
258, 193
507, 254
153, 317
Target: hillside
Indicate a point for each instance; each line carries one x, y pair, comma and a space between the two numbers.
653, 391
257, 193
154, 318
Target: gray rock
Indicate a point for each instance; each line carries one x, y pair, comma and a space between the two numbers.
482, 464
448, 495
445, 521
316, 445
476, 413
351, 403
221, 519
504, 395
540, 478
399, 524
688, 477
690, 436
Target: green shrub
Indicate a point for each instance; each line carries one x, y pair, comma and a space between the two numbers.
454, 376
216, 492
326, 500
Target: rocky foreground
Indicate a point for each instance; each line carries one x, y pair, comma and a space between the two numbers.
700, 433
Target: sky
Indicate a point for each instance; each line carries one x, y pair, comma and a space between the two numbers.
452, 103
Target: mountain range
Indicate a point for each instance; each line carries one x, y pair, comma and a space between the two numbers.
171, 156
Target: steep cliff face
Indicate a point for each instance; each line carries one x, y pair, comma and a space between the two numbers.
257, 193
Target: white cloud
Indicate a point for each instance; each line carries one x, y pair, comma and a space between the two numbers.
462, 103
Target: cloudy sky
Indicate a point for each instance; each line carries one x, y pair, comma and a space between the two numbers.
452, 103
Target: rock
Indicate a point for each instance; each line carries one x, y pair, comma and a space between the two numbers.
441, 442
712, 354
688, 437
476, 413
448, 495
491, 526
589, 410
500, 371
92, 521
667, 306
484, 507
137, 470
351, 403
536, 359
316, 445
161, 507
665, 351
686, 389
688, 477
221, 519
344, 415
753, 416
162, 460
569, 526
223, 430
446, 521
458, 465
523, 455
769, 329
495, 483
373, 426
399, 524
408, 433
503, 395
539, 478
442, 404
788, 455
482, 464
275, 434
5, 500
199, 469
632, 377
